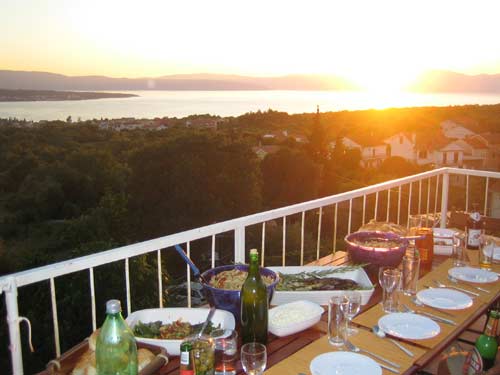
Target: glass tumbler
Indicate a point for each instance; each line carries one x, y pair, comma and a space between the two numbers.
336, 322
411, 269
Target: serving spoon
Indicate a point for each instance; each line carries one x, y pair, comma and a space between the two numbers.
380, 333
210, 315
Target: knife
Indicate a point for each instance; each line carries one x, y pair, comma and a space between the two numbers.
463, 290
389, 368
436, 318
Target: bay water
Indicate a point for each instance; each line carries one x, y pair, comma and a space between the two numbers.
151, 104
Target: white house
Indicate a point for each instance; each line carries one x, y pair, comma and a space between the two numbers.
451, 129
373, 153
402, 144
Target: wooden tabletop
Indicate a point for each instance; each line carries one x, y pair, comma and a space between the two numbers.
424, 350
293, 354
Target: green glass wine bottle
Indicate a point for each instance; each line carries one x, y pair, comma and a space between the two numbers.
116, 349
254, 304
486, 343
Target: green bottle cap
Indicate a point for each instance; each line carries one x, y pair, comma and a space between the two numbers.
113, 306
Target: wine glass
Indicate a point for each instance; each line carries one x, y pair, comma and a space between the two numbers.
389, 280
253, 358
381, 270
350, 306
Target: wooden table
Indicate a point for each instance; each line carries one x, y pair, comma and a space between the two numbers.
293, 354
425, 350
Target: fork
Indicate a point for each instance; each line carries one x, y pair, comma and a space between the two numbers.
353, 348
432, 316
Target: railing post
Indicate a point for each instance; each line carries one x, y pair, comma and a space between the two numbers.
239, 245
16, 354
444, 198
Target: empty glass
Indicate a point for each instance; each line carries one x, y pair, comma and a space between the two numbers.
414, 223
350, 306
253, 358
336, 322
411, 269
389, 280
459, 241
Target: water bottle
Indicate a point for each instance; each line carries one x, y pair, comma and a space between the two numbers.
116, 349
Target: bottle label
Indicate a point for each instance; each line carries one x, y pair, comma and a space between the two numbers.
474, 237
475, 216
185, 358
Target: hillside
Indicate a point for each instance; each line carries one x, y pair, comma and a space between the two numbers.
433, 81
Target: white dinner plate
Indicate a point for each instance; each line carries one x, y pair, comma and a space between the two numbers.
444, 298
409, 326
344, 363
473, 275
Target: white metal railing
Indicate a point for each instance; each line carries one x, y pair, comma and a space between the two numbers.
440, 178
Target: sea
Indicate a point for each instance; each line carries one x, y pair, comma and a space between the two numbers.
151, 104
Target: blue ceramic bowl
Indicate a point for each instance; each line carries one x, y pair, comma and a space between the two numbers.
379, 256
229, 300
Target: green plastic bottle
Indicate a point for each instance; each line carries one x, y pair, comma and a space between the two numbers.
486, 343
254, 304
116, 349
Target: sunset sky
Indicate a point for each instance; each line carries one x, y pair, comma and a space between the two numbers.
368, 41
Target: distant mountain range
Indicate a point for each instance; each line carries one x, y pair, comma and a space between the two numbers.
434, 81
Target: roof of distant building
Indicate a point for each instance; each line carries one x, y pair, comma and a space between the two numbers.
476, 143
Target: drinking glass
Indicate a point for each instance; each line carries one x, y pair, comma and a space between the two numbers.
226, 344
389, 281
381, 270
486, 251
253, 358
411, 268
414, 223
459, 241
350, 306
336, 324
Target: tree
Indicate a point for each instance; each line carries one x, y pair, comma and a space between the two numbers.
191, 181
318, 141
289, 176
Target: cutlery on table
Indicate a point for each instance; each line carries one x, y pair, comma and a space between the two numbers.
353, 348
441, 285
419, 303
456, 281
432, 316
380, 333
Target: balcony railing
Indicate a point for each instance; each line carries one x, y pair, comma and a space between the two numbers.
425, 193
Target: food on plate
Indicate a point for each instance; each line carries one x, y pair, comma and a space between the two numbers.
176, 330
233, 279
86, 364
377, 242
317, 280
293, 313
381, 226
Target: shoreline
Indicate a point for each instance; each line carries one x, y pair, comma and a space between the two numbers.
9, 96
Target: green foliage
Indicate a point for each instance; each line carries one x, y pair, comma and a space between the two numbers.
191, 181
289, 176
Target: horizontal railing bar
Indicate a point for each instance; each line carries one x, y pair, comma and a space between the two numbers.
83, 263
